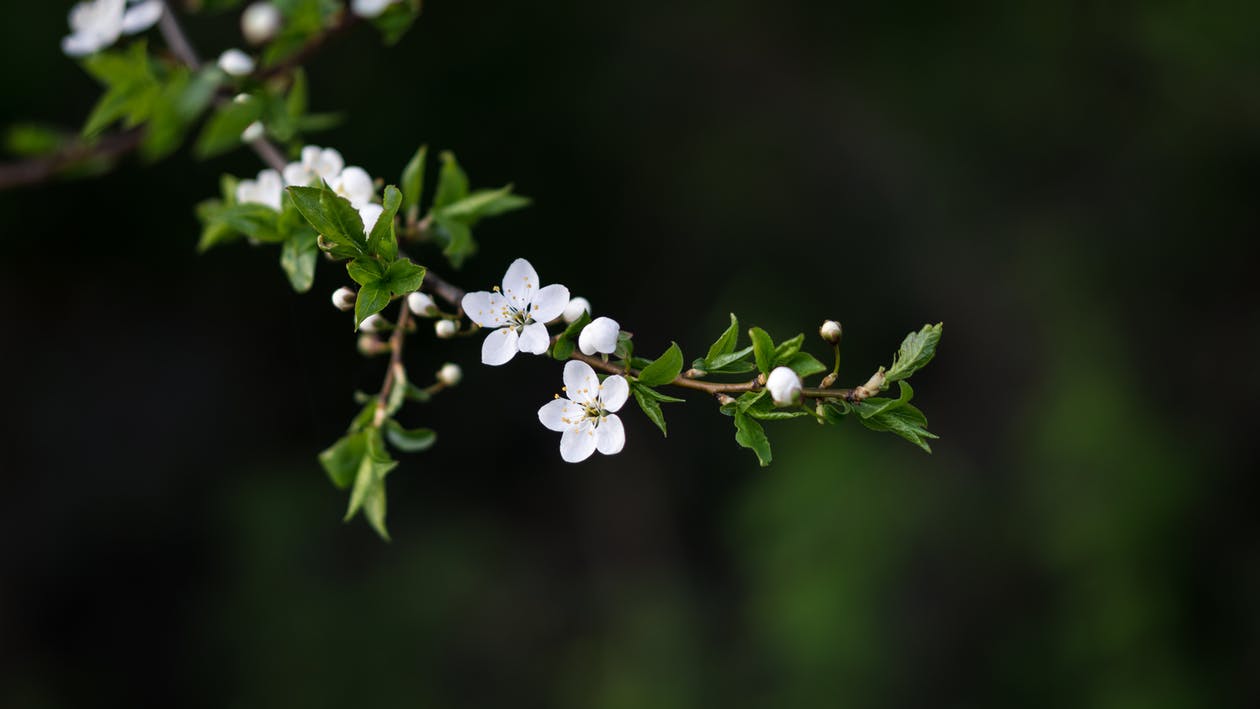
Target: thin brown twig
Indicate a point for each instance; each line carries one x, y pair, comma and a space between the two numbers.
42, 169
396, 342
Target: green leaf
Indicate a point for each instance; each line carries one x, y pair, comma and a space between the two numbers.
298, 257
776, 414
787, 349
404, 277
297, 101
397, 18
729, 363
665, 369
131, 88
331, 215
458, 240
398, 392
804, 364
763, 349
223, 131
562, 349
905, 421
915, 352
650, 405
482, 204
653, 393
414, 440
413, 178
382, 240
366, 271
341, 460
725, 344
371, 300
369, 483
750, 434
452, 182
877, 405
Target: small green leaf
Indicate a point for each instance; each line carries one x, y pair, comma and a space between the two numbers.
787, 349
382, 240
653, 393
298, 257
482, 204
650, 405
223, 130
750, 434
458, 240
331, 215
725, 344
413, 179
804, 364
342, 459
906, 421
452, 182
763, 349
371, 300
366, 271
563, 348
665, 369
414, 440
776, 414
404, 277
915, 352
369, 483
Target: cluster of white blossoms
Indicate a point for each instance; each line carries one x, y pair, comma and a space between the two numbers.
97, 24
316, 163
519, 312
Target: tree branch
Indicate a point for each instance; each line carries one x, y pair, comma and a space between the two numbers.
42, 169
396, 342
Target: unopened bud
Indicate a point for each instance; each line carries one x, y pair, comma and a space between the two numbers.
784, 386
370, 345
830, 331
450, 374
234, 62
253, 132
725, 399
421, 304
260, 22
373, 323
575, 308
343, 298
445, 329
828, 380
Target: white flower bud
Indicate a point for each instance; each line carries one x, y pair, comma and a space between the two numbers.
599, 336
784, 386
421, 304
234, 62
373, 323
260, 22
241, 98
445, 329
450, 374
873, 386
343, 298
252, 132
830, 331
575, 308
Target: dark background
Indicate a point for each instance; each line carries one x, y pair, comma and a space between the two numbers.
1070, 186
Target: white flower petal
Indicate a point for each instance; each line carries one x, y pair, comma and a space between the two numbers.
577, 443
369, 8
534, 339
370, 214
234, 62
485, 308
610, 437
549, 303
141, 16
328, 163
560, 414
81, 45
499, 347
580, 382
355, 185
614, 393
600, 336
520, 283
260, 22
575, 308
296, 174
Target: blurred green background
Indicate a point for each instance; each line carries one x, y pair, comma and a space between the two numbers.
1070, 186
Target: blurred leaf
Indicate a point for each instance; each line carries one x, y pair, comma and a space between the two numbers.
413, 178
223, 131
665, 369
34, 140
130, 87
342, 459
458, 240
414, 440
482, 204
452, 182
396, 20
369, 483
915, 352
298, 257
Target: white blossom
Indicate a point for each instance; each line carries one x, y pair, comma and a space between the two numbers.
584, 416
260, 22
97, 24
830, 331
355, 184
370, 214
267, 189
373, 323
370, 8
784, 386
599, 336
450, 374
519, 313
253, 132
343, 298
421, 304
316, 163
445, 329
575, 308
234, 62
